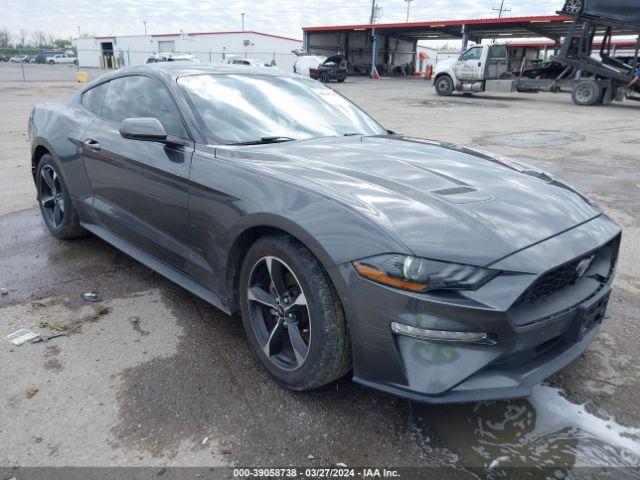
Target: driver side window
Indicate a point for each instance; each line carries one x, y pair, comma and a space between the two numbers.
140, 96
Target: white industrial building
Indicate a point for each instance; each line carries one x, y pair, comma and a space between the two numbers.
129, 50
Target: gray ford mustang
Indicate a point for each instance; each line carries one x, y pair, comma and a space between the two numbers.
428, 270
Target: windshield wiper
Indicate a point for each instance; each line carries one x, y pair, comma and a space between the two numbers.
352, 134
264, 140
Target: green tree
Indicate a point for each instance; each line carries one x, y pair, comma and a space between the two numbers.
62, 43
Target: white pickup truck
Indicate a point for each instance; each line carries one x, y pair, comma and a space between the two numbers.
62, 58
591, 79
476, 70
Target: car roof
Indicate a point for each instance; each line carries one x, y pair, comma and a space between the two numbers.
171, 71
180, 69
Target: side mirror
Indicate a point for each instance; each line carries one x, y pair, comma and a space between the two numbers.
143, 128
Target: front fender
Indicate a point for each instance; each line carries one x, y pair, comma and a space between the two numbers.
444, 69
230, 196
279, 222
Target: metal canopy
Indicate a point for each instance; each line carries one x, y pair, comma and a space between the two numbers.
553, 27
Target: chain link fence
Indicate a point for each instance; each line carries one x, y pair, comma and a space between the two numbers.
21, 65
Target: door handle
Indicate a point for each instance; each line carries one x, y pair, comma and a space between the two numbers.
91, 144
479, 64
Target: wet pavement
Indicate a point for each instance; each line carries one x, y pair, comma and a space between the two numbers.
153, 376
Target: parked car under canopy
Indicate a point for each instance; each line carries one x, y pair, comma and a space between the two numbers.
333, 68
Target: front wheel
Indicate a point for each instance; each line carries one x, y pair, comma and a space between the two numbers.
292, 315
444, 85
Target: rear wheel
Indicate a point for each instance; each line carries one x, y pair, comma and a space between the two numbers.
292, 316
444, 85
587, 93
324, 77
55, 202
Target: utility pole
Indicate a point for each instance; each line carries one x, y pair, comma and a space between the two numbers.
373, 37
145, 27
78, 26
242, 15
501, 10
408, 6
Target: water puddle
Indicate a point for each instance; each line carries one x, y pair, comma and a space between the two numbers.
544, 436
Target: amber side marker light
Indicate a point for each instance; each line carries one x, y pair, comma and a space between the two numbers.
381, 277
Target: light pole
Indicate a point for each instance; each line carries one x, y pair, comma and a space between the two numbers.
408, 6
145, 27
242, 15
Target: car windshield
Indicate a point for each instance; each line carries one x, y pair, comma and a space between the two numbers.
248, 108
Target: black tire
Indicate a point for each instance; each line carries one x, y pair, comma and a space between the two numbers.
573, 7
324, 77
328, 353
444, 85
341, 79
587, 93
55, 203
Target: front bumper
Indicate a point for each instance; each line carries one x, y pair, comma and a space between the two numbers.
533, 341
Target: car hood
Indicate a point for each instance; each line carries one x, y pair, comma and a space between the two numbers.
442, 201
337, 59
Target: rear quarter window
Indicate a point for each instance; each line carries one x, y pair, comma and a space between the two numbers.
93, 98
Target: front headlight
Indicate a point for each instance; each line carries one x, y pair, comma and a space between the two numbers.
420, 274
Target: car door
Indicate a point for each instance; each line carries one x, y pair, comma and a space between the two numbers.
497, 65
469, 65
140, 187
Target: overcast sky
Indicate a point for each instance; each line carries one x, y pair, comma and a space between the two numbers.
284, 17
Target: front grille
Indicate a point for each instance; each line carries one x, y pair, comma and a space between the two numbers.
562, 277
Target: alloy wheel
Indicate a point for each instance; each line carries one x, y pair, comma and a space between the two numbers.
51, 198
573, 7
279, 313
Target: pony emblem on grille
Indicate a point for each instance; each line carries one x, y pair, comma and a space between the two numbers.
584, 265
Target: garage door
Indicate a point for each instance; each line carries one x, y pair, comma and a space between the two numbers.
165, 46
